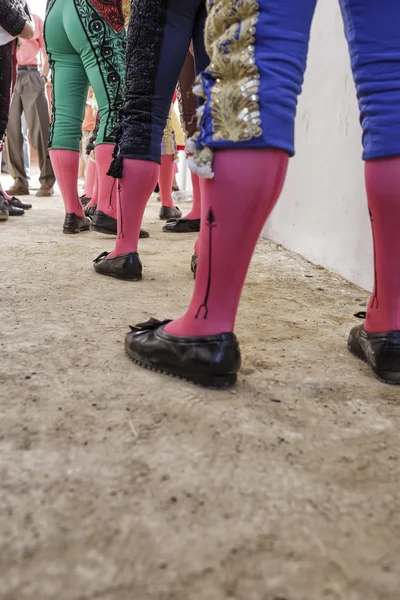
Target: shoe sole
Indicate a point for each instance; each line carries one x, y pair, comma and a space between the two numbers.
215, 383
166, 218
101, 230
121, 277
108, 232
180, 231
379, 377
3, 217
75, 231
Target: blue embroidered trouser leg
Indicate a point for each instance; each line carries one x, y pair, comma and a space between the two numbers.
258, 53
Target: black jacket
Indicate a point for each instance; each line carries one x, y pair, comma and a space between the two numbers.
12, 16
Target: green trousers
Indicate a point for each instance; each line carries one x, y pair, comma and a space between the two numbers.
83, 49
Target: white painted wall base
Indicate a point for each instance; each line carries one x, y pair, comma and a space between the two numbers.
322, 213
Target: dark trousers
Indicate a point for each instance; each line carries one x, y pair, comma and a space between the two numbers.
29, 98
159, 36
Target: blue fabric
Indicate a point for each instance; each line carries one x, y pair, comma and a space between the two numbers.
372, 30
184, 21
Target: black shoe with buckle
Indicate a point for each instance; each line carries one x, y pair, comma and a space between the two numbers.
103, 223
75, 224
123, 266
182, 226
211, 361
381, 351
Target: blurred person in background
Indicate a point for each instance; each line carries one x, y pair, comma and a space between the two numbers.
30, 98
14, 21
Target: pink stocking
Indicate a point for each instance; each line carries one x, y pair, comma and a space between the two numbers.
383, 190
107, 200
196, 206
66, 165
166, 179
235, 206
135, 188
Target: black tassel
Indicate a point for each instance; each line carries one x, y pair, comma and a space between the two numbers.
115, 169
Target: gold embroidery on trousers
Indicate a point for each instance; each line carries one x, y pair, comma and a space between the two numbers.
230, 38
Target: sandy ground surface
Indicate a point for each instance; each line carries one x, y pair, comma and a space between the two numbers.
120, 484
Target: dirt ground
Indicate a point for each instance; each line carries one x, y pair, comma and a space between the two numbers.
121, 484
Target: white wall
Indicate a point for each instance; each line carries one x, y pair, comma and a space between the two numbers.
322, 213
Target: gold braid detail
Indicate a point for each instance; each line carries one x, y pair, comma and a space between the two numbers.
230, 38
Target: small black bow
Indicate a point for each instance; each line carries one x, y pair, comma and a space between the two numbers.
149, 325
102, 255
361, 315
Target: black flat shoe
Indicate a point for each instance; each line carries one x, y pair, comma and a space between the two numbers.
193, 264
212, 360
90, 210
4, 214
16, 203
183, 226
14, 211
103, 223
380, 350
124, 266
166, 212
75, 224
84, 200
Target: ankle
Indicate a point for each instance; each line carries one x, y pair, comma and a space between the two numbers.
187, 326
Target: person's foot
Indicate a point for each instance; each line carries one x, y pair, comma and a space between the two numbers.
13, 211
84, 200
45, 191
182, 226
18, 190
16, 203
168, 212
90, 210
75, 223
212, 360
123, 266
381, 351
103, 223
4, 214
193, 264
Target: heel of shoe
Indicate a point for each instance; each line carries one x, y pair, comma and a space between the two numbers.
388, 365
217, 381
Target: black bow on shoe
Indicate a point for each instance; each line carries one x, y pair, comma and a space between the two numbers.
102, 255
148, 326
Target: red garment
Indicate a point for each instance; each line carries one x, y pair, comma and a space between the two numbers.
111, 11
